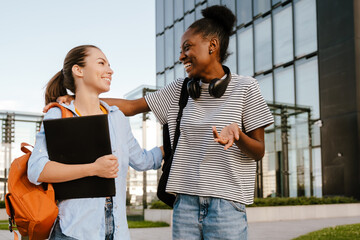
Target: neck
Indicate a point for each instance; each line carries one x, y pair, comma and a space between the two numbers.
215, 71
87, 104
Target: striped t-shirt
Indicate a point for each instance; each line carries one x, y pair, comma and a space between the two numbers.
201, 166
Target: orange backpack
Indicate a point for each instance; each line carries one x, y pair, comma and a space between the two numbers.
32, 208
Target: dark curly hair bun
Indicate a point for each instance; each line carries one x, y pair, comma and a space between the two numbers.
222, 15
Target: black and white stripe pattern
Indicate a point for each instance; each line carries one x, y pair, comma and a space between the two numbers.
200, 165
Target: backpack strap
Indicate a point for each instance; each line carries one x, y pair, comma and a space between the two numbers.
184, 96
65, 113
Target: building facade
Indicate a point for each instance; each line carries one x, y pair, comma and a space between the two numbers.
304, 55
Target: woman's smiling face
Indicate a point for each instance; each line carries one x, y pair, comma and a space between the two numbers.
195, 54
97, 71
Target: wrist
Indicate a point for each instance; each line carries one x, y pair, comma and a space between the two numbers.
91, 169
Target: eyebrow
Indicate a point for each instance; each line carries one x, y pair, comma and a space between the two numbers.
186, 41
103, 60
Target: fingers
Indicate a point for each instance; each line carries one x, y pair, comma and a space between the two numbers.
215, 132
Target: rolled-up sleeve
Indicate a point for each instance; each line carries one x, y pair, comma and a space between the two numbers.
39, 156
141, 159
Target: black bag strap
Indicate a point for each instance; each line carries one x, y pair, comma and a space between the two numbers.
184, 96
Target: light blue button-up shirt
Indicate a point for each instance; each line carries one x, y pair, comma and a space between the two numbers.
84, 218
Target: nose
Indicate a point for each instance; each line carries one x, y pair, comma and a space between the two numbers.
110, 71
182, 56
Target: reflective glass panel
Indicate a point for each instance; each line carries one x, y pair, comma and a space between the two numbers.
159, 16
307, 85
169, 76
213, 2
246, 51
284, 85
317, 182
169, 13
275, 2
261, 6
178, 9
179, 30
160, 80
305, 27
243, 11
231, 60
169, 47
263, 58
266, 86
189, 19
189, 5
160, 53
283, 35
179, 71
198, 9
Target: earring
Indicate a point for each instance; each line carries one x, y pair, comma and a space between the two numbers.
210, 52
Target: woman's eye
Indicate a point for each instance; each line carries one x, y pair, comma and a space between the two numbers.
102, 63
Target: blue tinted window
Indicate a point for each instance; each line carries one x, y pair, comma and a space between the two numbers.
305, 27
189, 19
284, 85
178, 9
169, 13
245, 51
261, 6
283, 35
169, 76
160, 53
263, 52
198, 9
307, 85
169, 47
179, 30
213, 2
159, 16
179, 71
189, 5
160, 80
231, 60
244, 11
266, 86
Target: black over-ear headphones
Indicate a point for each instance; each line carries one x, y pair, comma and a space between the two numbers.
217, 87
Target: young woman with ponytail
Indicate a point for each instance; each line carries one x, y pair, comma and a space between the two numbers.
86, 72
212, 183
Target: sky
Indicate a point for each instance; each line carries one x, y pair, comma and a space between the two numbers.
36, 35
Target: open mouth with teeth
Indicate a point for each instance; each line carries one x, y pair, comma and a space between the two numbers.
107, 79
187, 67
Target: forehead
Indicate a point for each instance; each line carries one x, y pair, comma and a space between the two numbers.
95, 53
190, 35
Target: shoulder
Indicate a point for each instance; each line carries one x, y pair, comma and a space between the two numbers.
53, 113
243, 80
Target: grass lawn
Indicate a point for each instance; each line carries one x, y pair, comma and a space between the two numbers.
133, 222
342, 232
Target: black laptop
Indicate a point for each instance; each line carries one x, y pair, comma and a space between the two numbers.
80, 140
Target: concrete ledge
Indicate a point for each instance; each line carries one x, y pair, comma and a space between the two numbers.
278, 213
3, 214
285, 213
158, 215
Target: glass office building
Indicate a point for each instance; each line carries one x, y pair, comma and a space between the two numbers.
280, 44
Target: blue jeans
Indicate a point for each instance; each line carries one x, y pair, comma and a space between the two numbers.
197, 218
109, 224
56, 233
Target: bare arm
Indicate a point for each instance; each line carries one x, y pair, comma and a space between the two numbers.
128, 107
252, 143
53, 172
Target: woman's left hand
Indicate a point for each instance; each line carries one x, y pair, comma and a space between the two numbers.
228, 135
